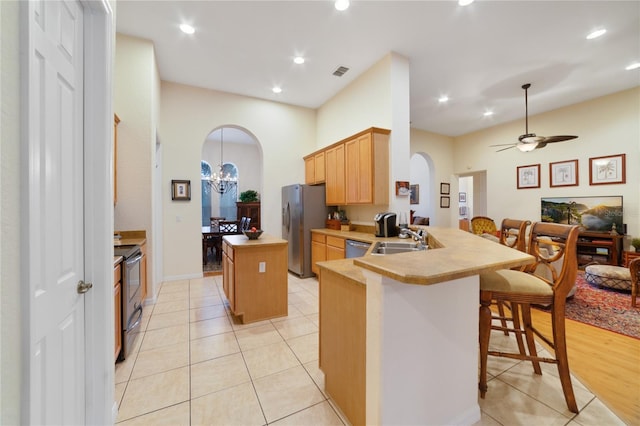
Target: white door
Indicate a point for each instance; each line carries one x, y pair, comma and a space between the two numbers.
55, 249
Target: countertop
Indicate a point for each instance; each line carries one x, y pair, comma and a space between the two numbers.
240, 241
457, 254
130, 238
116, 260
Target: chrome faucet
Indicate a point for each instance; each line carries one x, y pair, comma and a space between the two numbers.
419, 236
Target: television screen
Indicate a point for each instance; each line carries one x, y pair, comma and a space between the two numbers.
595, 214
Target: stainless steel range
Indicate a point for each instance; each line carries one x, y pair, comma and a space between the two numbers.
131, 296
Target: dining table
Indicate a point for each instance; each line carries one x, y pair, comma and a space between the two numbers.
212, 237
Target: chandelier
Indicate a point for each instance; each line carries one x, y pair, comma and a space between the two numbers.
222, 182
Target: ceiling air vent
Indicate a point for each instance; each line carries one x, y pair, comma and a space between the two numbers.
339, 72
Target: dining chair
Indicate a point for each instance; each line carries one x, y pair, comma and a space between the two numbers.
483, 224
523, 288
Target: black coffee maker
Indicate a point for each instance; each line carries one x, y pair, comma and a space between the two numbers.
385, 224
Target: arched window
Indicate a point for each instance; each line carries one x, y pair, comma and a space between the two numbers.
213, 203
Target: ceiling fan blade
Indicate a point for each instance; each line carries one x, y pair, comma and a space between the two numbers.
541, 145
503, 144
559, 138
504, 149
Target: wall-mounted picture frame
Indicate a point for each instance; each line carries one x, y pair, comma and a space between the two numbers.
607, 170
402, 188
180, 190
528, 176
462, 210
445, 188
462, 197
445, 202
414, 198
563, 173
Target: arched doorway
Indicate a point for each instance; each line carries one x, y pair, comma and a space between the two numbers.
422, 174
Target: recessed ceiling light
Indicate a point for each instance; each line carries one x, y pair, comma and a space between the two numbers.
443, 99
187, 29
633, 66
277, 89
596, 34
464, 2
341, 5
298, 60
488, 113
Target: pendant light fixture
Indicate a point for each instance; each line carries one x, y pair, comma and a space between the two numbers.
222, 182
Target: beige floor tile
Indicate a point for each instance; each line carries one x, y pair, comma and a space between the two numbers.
207, 312
209, 327
269, 359
286, 392
124, 368
236, 323
169, 319
199, 302
232, 406
154, 392
308, 308
314, 318
305, 347
486, 420
175, 415
295, 298
319, 414
165, 337
510, 406
295, 327
213, 347
173, 306
596, 414
171, 296
174, 287
316, 375
292, 312
161, 359
255, 337
200, 292
217, 374
119, 392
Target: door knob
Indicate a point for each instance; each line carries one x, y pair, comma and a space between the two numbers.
84, 287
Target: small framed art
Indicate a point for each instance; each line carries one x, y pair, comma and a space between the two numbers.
414, 197
462, 197
607, 170
181, 190
444, 188
563, 173
445, 202
402, 187
529, 176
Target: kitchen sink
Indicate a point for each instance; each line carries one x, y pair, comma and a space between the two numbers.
393, 247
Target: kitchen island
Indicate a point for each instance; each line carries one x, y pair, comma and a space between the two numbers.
400, 331
254, 276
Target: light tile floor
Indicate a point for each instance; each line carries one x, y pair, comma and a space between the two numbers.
194, 363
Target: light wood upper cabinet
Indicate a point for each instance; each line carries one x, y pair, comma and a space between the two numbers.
335, 174
314, 168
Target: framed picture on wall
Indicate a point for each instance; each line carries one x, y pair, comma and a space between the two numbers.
414, 197
181, 190
462, 197
402, 187
607, 170
529, 176
444, 188
563, 173
445, 202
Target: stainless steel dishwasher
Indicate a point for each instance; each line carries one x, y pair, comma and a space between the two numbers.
356, 248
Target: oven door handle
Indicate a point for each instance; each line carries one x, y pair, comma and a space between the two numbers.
134, 260
138, 320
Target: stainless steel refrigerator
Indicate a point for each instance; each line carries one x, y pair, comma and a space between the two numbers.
303, 209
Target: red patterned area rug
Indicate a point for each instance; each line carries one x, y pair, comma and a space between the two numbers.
604, 308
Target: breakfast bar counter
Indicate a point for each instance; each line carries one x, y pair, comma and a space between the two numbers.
406, 346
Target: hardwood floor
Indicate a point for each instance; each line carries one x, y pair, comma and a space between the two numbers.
607, 363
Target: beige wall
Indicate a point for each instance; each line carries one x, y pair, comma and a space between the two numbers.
136, 102
10, 245
606, 126
188, 114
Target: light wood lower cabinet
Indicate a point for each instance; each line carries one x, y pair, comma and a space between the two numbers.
335, 247
254, 277
343, 330
117, 309
325, 247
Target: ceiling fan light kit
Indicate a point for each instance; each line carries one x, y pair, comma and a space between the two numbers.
529, 141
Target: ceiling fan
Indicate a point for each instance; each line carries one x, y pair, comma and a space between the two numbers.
529, 141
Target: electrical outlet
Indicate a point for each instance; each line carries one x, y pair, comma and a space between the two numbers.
262, 266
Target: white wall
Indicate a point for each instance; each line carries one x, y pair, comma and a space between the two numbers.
10, 278
188, 114
136, 102
440, 149
377, 98
605, 126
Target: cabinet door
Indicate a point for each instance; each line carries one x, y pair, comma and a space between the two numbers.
310, 170
335, 248
319, 162
318, 254
359, 170
335, 175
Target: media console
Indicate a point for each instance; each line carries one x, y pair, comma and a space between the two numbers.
599, 247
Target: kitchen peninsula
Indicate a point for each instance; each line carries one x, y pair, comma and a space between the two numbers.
400, 332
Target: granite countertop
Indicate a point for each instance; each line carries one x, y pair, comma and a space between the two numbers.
240, 241
457, 254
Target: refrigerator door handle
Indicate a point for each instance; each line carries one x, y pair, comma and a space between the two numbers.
287, 218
